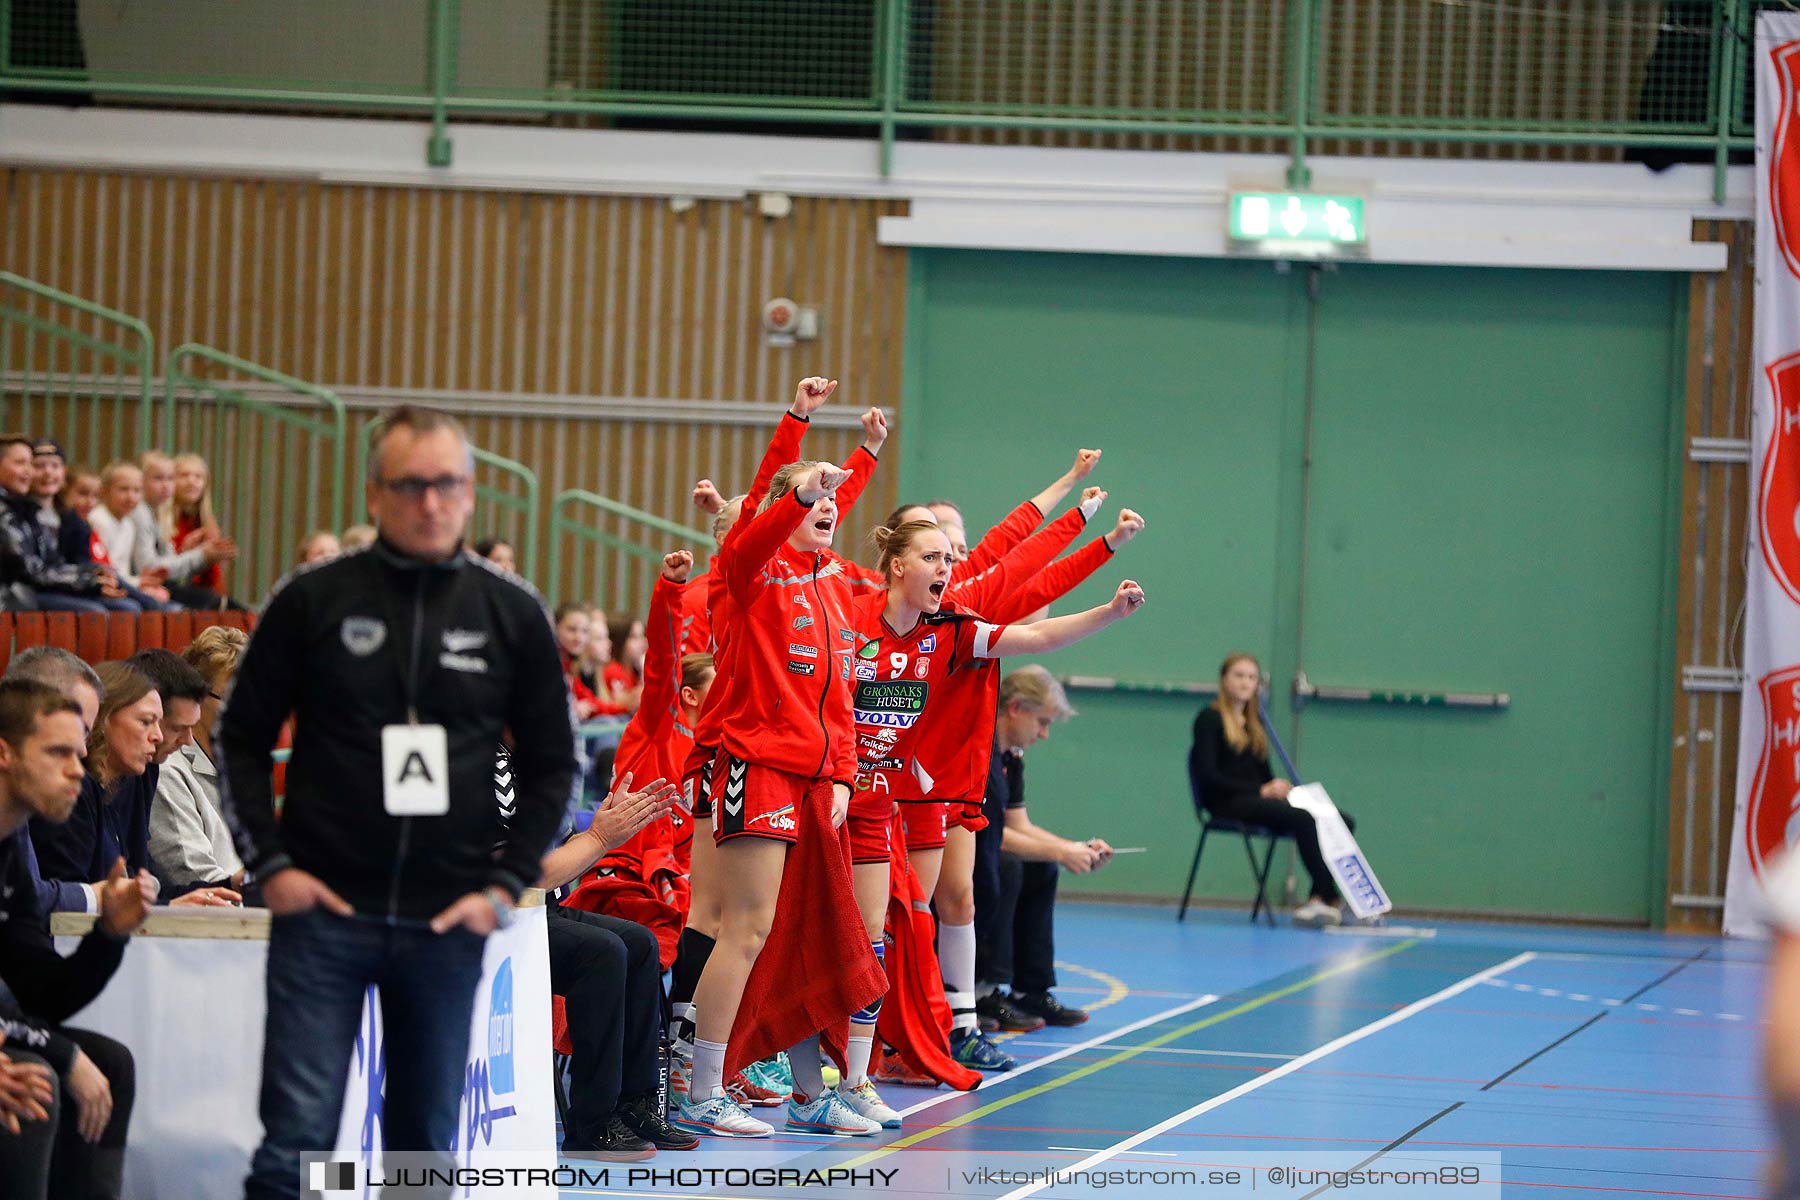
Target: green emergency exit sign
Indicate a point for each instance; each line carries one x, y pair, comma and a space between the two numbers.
1298, 221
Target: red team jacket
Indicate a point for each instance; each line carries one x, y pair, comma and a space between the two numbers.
783, 695
646, 879
722, 604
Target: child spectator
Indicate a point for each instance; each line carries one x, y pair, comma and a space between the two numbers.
187, 520
118, 535
152, 549
498, 552
357, 537
34, 558
321, 545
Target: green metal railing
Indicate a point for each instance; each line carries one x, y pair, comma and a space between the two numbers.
1646, 75
506, 499
586, 534
277, 447
72, 366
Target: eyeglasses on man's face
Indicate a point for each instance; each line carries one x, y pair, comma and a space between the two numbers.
414, 487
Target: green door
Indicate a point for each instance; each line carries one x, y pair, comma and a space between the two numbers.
1486, 510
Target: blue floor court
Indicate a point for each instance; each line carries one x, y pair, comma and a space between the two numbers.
1594, 1063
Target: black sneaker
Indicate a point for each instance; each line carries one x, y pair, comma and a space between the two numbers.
1045, 1005
997, 1012
641, 1116
616, 1143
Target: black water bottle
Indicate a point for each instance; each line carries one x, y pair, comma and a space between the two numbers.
664, 1051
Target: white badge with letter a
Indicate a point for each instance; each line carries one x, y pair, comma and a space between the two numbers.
415, 770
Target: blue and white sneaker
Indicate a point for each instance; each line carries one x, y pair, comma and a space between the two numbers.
869, 1105
971, 1048
781, 1072
718, 1116
828, 1114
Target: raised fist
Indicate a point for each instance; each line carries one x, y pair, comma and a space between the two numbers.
875, 429
1127, 600
677, 565
813, 391
1128, 526
707, 498
1085, 462
822, 480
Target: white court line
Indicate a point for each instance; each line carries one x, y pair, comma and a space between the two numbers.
1034, 1064
1090, 1149
1182, 1050
1287, 1068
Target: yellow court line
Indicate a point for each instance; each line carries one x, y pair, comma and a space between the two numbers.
1130, 1052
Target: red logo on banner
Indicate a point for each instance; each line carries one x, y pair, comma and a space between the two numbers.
1775, 796
1778, 493
1784, 161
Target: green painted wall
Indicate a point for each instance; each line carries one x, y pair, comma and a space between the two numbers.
1489, 508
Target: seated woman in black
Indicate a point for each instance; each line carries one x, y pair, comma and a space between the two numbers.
1229, 764
111, 819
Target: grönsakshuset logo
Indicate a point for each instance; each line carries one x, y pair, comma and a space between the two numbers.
1773, 820
1778, 492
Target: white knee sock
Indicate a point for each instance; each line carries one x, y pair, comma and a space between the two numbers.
709, 1069
956, 956
860, 1042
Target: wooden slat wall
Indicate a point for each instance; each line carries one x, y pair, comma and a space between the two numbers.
497, 300
1715, 504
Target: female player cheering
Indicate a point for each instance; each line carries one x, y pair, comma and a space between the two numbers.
786, 757
921, 654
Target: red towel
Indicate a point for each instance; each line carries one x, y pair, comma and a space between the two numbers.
915, 1018
816, 968
659, 904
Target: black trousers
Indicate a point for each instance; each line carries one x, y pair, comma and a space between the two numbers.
1283, 818
49, 1158
609, 975
1015, 935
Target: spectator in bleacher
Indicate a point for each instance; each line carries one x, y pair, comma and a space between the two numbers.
572, 633
596, 652
80, 497
1017, 865
56, 583
71, 1138
48, 473
121, 494
183, 690
498, 552
621, 680
357, 537
151, 550
190, 845
57, 668
321, 545
188, 521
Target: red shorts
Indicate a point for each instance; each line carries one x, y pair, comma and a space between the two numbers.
871, 817
926, 824
751, 800
696, 784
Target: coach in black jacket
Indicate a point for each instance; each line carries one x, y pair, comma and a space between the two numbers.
382, 869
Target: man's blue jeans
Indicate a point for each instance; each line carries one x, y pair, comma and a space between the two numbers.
320, 965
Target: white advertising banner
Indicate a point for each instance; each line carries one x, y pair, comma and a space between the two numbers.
507, 1105
188, 1000
1355, 878
1766, 819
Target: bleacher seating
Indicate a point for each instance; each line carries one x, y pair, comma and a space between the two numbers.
107, 637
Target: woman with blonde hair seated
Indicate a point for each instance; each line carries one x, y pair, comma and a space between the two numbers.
1229, 767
